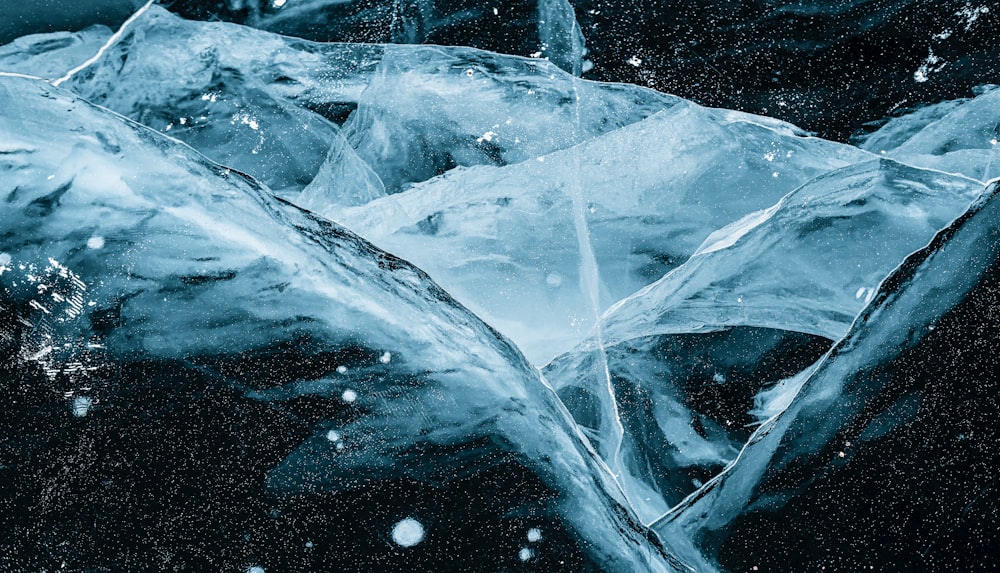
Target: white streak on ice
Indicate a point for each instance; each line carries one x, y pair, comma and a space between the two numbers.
114, 38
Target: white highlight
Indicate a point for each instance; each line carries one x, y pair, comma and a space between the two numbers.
81, 405
408, 532
95, 243
349, 396
534, 534
385, 358
526, 554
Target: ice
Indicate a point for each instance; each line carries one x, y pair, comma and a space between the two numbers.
956, 136
509, 242
52, 55
408, 532
889, 439
347, 122
221, 315
760, 300
217, 351
518, 27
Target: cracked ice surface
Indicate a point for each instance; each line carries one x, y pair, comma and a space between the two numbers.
703, 354
200, 374
230, 326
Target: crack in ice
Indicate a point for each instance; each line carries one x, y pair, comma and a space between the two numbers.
114, 38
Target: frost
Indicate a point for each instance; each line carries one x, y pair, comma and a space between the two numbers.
931, 64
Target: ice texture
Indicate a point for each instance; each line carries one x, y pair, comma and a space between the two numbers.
345, 123
684, 368
545, 28
178, 344
956, 136
889, 443
52, 55
506, 241
204, 368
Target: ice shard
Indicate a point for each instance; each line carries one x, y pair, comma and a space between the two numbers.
956, 136
298, 114
199, 375
52, 55
543, 28
506, 241
885, 460
685, 368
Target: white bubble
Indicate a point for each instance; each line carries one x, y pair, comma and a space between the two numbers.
534, 534
95, 242
342, 369
349, 396
256, 569
408, 532
526, 554
385, 358
333, 436
81, 405
4, 259
553, 279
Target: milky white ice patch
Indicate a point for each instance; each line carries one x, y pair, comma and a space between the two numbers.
256, 569
349, 396
385, 358
95, 243
534, 534
408, 532
81, 405
526, 554
4, 262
